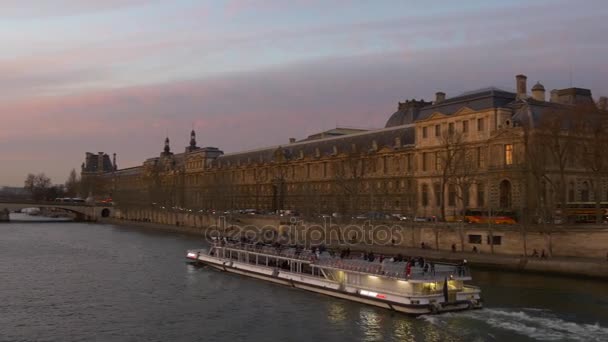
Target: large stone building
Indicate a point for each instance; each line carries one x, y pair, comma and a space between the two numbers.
488, 148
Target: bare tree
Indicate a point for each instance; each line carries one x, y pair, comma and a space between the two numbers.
537, 161
348, 174
451, 156
557, 132
72, 184
464, 173
38, 186
592, 141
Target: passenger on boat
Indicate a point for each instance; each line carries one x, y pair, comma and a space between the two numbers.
432, 268
408, 269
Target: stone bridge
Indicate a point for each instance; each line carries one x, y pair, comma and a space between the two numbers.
83, 211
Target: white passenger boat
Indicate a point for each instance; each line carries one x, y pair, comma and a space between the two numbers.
387, 284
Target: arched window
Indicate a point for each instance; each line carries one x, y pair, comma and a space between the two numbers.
481, 195
425, 195
543, 191
505, 194
571, 192
437, 191
585, 192
452, 195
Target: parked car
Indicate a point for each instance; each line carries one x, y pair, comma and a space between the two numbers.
421, 219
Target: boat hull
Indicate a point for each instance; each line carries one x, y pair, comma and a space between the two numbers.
298, 281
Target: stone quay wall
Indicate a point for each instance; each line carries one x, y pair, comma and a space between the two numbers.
570, 251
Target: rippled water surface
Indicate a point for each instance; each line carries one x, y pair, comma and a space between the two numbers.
89, 282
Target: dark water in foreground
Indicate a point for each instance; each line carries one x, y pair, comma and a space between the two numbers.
87, 282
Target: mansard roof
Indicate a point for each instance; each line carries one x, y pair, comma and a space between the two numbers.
406, 113
531, 112
130, 171
363, 142
476, 100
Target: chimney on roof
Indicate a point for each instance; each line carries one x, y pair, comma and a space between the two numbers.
538, 92
602, 104
439, 97
554, 95
100, 161
522, 91
292, 140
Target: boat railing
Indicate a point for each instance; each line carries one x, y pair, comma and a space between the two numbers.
286, 252
386, 268
396, 269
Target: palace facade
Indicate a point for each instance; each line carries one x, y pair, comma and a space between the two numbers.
488, 148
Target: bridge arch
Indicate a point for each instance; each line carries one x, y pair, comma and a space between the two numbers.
83, 212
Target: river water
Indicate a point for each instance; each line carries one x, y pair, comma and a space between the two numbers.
90, 282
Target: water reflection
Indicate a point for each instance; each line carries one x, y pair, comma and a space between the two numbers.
403, 329
142, 288
336, 312
371, 324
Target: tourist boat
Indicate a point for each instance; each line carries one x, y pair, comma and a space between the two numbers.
387, 284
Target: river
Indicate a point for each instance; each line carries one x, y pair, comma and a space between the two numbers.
84, 282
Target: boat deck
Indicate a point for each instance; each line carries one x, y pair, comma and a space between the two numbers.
386, 268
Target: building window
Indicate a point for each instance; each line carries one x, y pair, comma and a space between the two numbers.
384, 165
505, 194
451, 195
585, 192
437, 130
465, 126
494, 240
480, 157
437, 188
424, 158
508, 154
571, 192
437, 160
475, 239
425, 195
409, 162
424, 133
480, 124
480, 195
451, 128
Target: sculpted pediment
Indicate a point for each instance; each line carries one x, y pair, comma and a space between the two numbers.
435, 116
464, 111
506, 134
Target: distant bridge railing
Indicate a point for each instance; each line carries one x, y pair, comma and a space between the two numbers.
56, 203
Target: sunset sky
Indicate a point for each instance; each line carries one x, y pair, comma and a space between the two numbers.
117, 75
